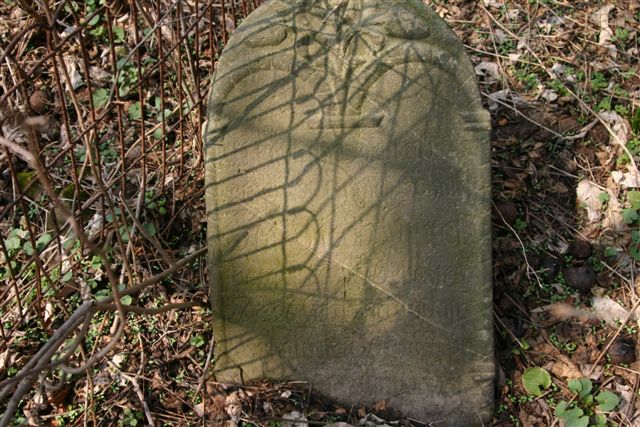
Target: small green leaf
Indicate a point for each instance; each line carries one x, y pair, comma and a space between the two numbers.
67, 276
563, 412
135, 111
197, 341
100, 97
27, 248
582, 421
580, 386
603, 197
633, 197
573, 417
118, 34
610, 252
151, 229
12, 243
43, 240
96, 262
69, 244
536, 380
126, 300
124, 233
588, 400
629, 215
94, 21
102, 294
601, 420
98, 31
607, 401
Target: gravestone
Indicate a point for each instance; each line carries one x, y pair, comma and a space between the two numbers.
348, 203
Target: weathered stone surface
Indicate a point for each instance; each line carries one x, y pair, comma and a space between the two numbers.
348, 201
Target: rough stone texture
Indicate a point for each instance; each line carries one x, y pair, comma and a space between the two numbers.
348, 199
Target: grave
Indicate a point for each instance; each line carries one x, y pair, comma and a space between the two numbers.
348, 202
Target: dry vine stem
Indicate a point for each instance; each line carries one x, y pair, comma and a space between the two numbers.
43, 361
84, 198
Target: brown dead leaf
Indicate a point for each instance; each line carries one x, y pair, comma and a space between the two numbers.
601, 18
379, 406
563, 367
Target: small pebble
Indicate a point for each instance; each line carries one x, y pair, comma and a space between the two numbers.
508, 211
39, 101
580, 277
548, 268
580, 249
622, 350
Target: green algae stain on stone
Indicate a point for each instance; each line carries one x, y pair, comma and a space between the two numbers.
348, 202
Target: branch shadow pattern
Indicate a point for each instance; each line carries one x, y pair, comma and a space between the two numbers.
348, 202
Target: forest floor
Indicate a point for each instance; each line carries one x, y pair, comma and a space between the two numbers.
562, 82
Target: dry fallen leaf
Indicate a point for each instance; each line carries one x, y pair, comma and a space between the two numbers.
233, 405
613, 214
294, 419
563, 367
488, 69
608, 310
601, 18
588, 197
199, 409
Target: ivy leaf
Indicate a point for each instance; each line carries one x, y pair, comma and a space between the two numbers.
126, 300
607, 401
535, 380
580, 386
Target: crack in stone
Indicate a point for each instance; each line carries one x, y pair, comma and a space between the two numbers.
397, 300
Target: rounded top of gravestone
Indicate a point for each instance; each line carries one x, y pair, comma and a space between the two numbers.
342, 43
